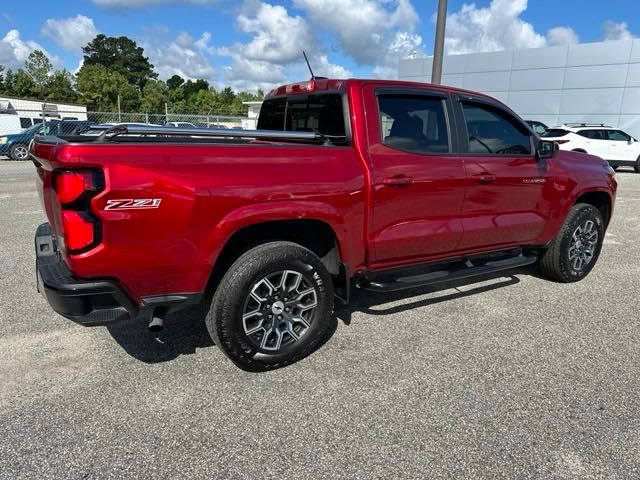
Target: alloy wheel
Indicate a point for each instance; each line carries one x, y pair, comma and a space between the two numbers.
583, 245
279, 310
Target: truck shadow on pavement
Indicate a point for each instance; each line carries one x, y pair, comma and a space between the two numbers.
184, 332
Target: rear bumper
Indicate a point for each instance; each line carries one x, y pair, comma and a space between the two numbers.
88, 302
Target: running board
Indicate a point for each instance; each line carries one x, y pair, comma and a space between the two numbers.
387, 282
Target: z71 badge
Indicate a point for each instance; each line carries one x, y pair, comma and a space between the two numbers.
133, 203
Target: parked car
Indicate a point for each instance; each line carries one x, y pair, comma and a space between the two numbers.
537, 126
180, 124
16, 145
345, 183
612, 144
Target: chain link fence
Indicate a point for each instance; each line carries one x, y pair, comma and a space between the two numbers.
18, 127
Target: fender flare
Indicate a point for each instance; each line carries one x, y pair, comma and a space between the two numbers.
254, 214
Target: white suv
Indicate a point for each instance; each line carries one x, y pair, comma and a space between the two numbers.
615, 146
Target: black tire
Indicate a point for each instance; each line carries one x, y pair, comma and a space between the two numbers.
637, 165
19, 152
231, 332
555, 262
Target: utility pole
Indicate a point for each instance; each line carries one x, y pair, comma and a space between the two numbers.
119, 113
438, 46
166, 113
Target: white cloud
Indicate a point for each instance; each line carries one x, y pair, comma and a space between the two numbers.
273, 53
131, 4
498, 26
616, 31
562, 36
71, 33
364, 28
184, 56
14, 50
277, 36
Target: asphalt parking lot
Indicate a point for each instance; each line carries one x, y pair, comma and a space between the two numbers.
511, 377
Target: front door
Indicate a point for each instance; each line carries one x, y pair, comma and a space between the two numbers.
417, 183
621, 147
504, 202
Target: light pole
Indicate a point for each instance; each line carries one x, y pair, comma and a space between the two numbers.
438, 46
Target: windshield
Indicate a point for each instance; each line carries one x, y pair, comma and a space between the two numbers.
322, 112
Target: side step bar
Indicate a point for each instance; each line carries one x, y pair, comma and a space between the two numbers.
386, 282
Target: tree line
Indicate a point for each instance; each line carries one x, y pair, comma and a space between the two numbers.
116, 67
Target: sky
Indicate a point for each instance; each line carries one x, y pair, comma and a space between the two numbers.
251, 44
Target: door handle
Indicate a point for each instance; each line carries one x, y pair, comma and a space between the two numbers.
398, 181
484, 178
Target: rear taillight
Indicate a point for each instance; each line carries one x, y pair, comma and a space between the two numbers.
80, 229
71, 185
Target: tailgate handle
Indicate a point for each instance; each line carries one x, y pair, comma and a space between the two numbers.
398, 181
484, 178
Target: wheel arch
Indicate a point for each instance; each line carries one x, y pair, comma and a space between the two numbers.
599, 199
320, 233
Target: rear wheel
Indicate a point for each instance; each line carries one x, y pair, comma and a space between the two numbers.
574, 252
637, 165
272, 307
19, 151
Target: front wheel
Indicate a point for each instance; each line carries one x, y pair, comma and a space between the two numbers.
574, 252
19, 151
272, 307
637, 165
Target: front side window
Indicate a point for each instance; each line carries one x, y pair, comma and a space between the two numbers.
618, 136
492, 131
414, 123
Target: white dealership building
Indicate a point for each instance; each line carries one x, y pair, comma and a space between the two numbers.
590, 82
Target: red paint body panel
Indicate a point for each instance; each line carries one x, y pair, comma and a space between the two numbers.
207, 192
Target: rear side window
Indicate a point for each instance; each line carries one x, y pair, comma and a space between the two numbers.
592, 134
414, 123
554, 133
321, 113
492, 131
25, 122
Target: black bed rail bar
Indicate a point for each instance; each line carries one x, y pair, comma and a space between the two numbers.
109, 132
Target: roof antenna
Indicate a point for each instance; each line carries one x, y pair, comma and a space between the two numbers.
313, 77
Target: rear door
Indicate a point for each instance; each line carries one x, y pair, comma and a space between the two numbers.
417, 182
504, 203
596, 142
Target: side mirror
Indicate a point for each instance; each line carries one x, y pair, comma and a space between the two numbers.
546, 149
630, 142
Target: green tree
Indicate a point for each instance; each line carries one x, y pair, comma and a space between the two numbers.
99, 87
175, 82
1, 78
154, 95
9, 83
39, 68
23, 85
60, 87
122, 55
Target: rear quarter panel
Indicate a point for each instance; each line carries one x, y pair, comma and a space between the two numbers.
207, 193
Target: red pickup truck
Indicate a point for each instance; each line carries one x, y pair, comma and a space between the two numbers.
384, 185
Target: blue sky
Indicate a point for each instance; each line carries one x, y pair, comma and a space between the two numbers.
257, 43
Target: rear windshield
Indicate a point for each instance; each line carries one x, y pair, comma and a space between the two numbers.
321, 113
555, 132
